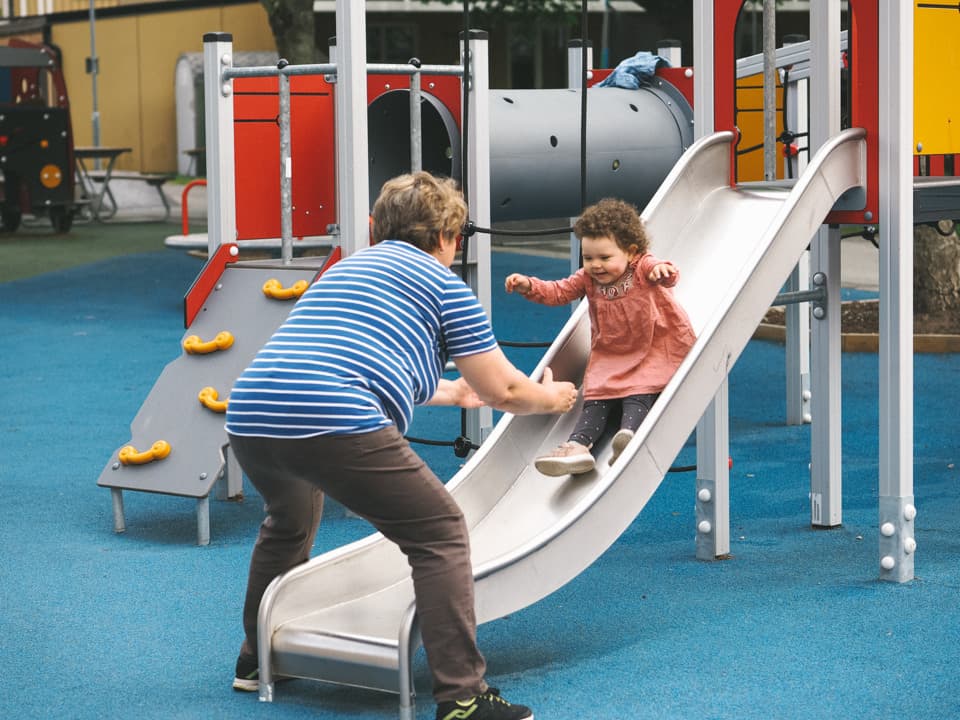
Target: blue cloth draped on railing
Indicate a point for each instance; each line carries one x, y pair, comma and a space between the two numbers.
635, 72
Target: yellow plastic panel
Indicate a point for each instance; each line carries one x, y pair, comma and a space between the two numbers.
750, 123
936, 65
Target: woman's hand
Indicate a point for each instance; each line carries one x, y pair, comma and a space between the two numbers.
518, 282
565, 393
504, 387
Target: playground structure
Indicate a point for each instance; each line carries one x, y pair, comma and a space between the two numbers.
635, 140
359, 626
36, 137
263, 204
178, 444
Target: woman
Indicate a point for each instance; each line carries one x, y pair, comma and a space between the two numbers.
339, 381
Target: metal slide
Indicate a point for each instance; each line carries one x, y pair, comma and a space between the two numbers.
348, 616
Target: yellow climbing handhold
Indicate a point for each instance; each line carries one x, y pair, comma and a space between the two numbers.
195, 346
129, 455
273, 289
208, 398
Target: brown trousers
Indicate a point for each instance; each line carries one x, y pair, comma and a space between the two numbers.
378, 477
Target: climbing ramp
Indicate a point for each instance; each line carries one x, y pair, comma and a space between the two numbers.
178, 445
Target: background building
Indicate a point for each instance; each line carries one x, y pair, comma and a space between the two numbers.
139, 44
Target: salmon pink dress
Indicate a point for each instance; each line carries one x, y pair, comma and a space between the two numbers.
639, 333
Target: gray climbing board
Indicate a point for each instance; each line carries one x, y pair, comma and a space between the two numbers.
172, 411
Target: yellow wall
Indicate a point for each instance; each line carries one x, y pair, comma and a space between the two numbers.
750, 121
936, 62
135, 87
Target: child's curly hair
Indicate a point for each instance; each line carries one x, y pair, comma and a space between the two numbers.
614, 218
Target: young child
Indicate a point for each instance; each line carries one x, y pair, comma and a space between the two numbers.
639, 333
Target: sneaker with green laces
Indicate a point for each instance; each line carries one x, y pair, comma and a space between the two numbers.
489, 706
247, 676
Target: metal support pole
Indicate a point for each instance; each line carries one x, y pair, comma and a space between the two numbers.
769, 89
119, 521
671, 51
826, 497
353, 176
575, 50
713, 479
218, 123
416, 119
409, 641
826, 426
203, 520
703, 87
479, 422
797, 316
797, 324
93, 67
897, 511
286, 171
713, 442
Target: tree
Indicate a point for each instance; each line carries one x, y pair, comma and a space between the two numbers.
936, 271
292, 24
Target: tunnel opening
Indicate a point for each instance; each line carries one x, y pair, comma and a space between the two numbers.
388, 129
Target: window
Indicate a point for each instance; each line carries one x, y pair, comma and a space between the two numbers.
391, 42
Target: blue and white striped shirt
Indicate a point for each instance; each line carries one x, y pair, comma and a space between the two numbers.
362, 346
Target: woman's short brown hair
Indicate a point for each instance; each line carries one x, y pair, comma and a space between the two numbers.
415, 207
614, 218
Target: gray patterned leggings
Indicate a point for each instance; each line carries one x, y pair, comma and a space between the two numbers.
597, 413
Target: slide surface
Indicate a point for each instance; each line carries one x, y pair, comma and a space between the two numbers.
347, 616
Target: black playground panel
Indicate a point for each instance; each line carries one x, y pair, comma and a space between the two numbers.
36, 137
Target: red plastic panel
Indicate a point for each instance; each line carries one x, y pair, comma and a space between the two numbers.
678, 78
312, 148
207, 280
314, 161
598, 75
446, 88
865, 101
675, 76
257, 156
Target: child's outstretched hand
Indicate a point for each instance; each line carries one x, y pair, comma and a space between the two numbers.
518, 282
661, 271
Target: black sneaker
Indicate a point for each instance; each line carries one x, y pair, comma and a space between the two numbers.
489, 706
247, 676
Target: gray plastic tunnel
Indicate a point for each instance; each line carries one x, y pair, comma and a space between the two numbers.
633, 139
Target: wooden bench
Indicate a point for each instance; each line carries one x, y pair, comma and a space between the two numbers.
155, 180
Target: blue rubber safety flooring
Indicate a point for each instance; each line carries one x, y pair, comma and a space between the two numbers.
146, 624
